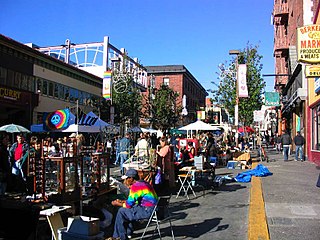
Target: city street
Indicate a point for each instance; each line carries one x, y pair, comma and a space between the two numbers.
291, 199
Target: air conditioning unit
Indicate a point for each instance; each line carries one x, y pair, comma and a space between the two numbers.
302, 93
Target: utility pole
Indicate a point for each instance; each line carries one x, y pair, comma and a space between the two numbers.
236, 107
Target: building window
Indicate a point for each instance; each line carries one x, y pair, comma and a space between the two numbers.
166, 81
3, 76
316, 128
45, 87
56, 90
51, 89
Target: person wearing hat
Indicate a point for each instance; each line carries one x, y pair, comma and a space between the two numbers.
139, 205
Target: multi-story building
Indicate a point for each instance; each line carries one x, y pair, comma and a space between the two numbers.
290, 80
34, 80
32, 83
178, 78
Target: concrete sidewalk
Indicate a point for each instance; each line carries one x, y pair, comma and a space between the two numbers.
291, 200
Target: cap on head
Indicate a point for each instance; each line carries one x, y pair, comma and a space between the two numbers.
130, 173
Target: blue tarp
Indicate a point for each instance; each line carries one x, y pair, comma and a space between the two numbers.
259, 171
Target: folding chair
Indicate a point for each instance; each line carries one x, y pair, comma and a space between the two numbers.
186, 180
160, 214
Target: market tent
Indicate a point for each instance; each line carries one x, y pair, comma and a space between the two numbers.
151, 130
198, 126
82, 128
98, 126
99, 122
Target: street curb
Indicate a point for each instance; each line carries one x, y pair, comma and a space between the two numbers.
257, 227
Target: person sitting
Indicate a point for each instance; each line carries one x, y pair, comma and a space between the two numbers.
140, 203
192, 151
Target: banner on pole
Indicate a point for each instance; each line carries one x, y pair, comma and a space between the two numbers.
242, 81
107, 86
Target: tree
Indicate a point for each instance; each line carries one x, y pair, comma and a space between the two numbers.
165, 112
126, 100
225, 94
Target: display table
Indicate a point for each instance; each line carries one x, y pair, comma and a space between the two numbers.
243, 158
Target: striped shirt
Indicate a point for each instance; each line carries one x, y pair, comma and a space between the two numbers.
141, 193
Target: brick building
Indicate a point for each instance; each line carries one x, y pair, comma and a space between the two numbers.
178, 78
290, 80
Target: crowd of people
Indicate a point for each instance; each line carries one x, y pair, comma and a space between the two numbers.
167, 154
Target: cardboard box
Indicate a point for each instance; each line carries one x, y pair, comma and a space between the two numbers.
83, 225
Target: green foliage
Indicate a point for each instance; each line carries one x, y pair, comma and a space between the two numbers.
225, 94
165, 112
127, 104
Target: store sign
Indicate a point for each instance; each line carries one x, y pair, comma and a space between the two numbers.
10, 94
272, 99
312, 70
308, 45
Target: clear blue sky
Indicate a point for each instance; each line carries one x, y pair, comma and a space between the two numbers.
194, 33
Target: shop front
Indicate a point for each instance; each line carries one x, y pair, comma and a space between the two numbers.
16, 106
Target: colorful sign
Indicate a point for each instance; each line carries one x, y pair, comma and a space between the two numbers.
308, 44
201, 115
56, 120
242, 81
107, 85
312, 70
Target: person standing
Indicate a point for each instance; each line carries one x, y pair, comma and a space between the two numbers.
277, 141
18, 154
4, 164
267, 138
285, 142
165, 162
142, 148
299, 141
139, 205
124, 149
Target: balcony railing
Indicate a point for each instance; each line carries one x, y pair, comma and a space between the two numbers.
281, 43
280, 9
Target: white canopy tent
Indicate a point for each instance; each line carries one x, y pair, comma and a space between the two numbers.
198, 126
151, 130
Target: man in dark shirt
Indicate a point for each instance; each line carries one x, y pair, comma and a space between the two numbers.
285, 142
299, 141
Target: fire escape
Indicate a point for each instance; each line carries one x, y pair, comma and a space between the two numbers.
281, 43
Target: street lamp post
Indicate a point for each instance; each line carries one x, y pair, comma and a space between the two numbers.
236, 107
151, 98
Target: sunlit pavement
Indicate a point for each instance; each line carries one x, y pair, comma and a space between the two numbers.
290, 197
